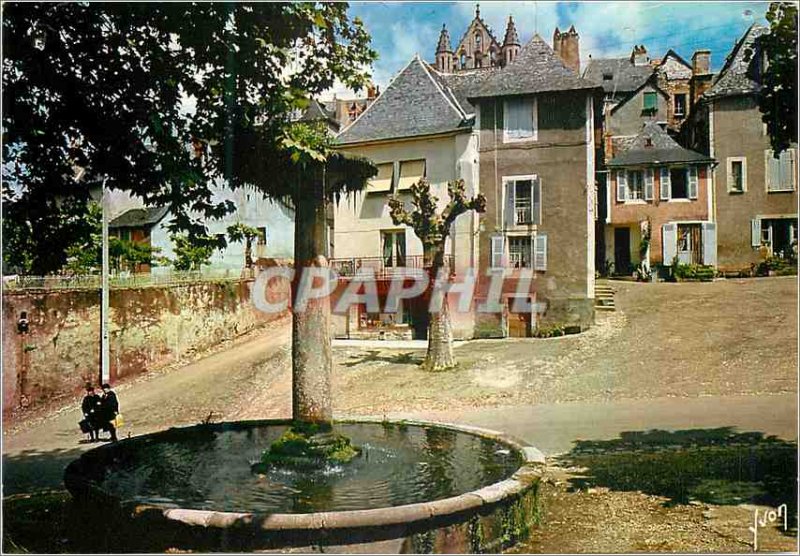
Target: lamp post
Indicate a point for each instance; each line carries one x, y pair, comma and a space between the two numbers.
105, 373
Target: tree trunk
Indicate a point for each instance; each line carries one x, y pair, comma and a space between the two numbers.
440, 332
311, 341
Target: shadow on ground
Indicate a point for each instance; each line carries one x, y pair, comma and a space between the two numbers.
713, 466
374, 355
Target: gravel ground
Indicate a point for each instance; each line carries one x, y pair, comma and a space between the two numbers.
666, 340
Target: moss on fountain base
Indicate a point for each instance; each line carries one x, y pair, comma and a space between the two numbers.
307, 445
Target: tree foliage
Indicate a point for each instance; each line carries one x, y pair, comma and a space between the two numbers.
161, 100
777, 98
193, 253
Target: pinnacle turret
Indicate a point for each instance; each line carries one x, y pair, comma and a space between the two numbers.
512, 38
444, 41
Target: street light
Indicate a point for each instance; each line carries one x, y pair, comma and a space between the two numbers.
105, 373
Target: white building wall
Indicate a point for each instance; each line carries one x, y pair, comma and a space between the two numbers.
360, 217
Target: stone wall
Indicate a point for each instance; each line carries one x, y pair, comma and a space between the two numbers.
150, 327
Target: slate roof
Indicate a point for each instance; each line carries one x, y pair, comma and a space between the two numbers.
626, 77
536, 69
662, 149
139, 217
316, 112
737, 76
414, 104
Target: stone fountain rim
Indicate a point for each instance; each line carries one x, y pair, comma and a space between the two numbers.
405, 514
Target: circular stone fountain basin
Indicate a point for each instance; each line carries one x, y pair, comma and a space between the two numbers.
414, 482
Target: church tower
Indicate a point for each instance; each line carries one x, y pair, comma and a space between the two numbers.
510, 43
444, 53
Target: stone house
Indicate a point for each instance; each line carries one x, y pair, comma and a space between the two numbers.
660, 204
521, 134
754, 194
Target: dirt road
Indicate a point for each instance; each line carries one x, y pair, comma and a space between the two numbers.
250, 379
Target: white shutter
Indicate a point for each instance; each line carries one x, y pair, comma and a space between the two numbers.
510, 218
755, 232
540, 252
622, 185
666, 185
498, 251
648, 184
693, 182
669, 243
536, 201
709, 243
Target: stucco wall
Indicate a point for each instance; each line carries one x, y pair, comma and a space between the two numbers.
150, 327
737, 130
628, 119
559, 157
360, 217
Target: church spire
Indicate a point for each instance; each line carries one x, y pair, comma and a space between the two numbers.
477, 11
444, 41
511, 33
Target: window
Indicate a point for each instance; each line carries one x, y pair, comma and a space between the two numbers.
393, 248
650, 102
519, 120
411, 171
677, 177
382, 182
519, 252
781, 171
635, 185
262, 236
607, 77
680, 105
478, 41
523, 201
735, 176
463, 60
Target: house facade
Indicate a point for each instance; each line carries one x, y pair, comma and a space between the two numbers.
537, 165
434, 139
273, 220
521, 134
660, 207
755, 193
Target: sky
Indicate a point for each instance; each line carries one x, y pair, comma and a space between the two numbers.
400, 30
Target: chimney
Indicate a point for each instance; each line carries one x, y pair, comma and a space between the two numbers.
701, 74
701, 62
639, 56
566, 45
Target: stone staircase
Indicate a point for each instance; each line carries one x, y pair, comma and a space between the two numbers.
604, 296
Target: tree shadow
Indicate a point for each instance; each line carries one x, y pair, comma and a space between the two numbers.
714, 466
374, 355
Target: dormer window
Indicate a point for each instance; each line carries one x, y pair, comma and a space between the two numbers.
648, 142
607, 77
478, 41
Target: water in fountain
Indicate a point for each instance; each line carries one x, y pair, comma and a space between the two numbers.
398, 465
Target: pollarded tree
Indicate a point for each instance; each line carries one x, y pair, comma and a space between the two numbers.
433, 229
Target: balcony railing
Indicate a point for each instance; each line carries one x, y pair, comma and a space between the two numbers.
380, 267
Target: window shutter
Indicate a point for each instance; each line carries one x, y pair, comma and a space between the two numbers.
666, 184
792, 156
693, 182
669, 243
755, 232
510, 210
536, 200
709, 243
648, 184
540, 252
622, 185
498, 251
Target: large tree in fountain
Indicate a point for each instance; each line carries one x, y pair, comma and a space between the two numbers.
163, 101
433, 228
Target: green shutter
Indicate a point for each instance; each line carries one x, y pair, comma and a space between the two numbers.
650, 102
